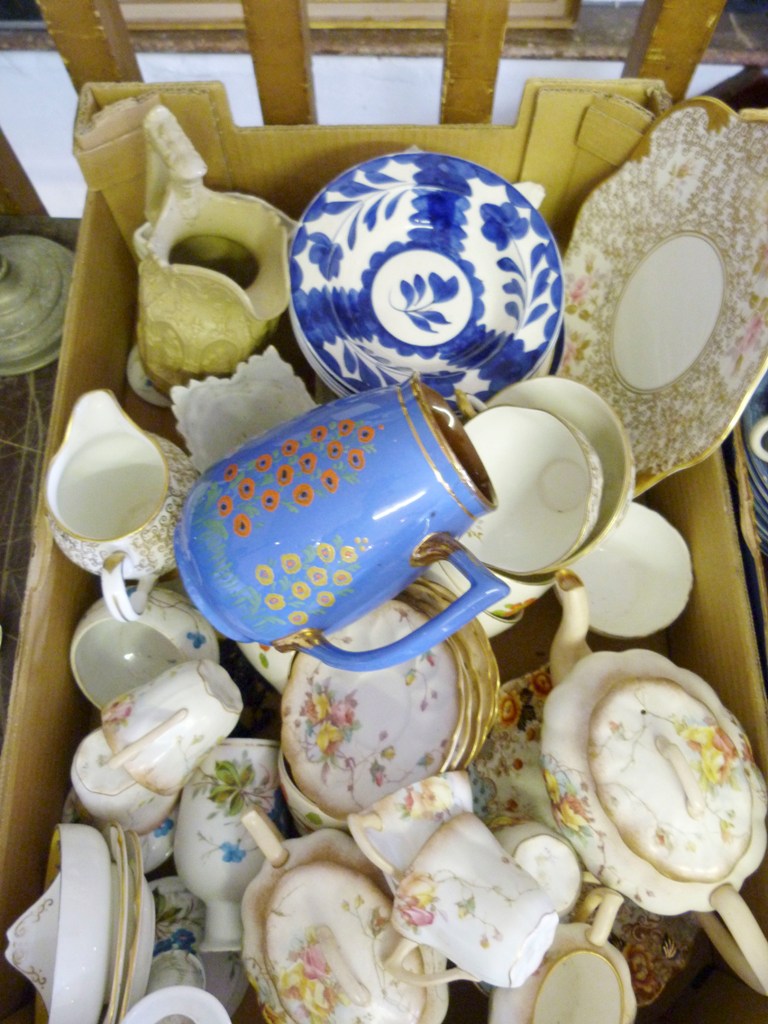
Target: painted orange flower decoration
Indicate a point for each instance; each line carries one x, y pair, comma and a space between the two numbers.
334, 449
329, 478
356, 458
241, 524
270, 499
308, 461
289, 447
246, 489
230, 472
345, 427
224, 505
365, 435
303, 494
263, 463
318, 433
284, 475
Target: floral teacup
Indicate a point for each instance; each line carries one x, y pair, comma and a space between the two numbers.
464, 896
161, 730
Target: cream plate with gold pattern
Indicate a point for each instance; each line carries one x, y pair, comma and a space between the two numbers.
666, 280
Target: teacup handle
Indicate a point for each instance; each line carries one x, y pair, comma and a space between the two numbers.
266, 835
738, 937
394, 965
756, 438
485, 589
123, 756
121, 605
605, 904
358, 823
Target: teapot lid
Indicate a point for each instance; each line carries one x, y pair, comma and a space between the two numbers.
671, 778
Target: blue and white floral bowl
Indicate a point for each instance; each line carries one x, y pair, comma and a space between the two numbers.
425, 263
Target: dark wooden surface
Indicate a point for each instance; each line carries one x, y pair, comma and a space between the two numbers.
25, 405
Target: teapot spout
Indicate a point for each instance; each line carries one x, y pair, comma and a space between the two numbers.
569, 644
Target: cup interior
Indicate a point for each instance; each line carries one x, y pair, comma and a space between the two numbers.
546, 484
581, 987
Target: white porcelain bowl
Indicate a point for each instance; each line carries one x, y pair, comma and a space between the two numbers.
421, 262
63, 943
109, 657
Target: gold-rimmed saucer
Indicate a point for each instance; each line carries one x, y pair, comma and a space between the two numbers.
141, 927
478, 676
117, 847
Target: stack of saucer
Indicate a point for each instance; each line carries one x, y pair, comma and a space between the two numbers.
754, 427
350, 738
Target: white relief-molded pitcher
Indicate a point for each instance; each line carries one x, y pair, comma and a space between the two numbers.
653, 782
213, 272
114, 494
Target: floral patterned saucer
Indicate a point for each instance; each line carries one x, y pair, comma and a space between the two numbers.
666, 284
350, 738
428, 263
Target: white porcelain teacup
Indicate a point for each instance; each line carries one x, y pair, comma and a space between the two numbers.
393, 830
108, 656
465, 897
548, 481
582, 977
110, 793
160, 731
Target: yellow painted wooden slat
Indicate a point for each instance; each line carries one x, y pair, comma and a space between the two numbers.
278, 38
474, 40
92, 39
670, 40
17, 193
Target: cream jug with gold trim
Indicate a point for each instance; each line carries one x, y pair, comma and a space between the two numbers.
113, 495
213, 271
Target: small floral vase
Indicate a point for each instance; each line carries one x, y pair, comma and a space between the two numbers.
215, 855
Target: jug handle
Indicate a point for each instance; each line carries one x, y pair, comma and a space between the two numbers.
172, 161
485, 589
737, 937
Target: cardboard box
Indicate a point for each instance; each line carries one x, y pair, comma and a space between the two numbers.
568, 137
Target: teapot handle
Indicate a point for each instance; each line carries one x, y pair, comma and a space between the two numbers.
485, 589
737, 936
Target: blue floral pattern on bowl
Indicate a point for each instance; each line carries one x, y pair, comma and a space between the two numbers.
424, 262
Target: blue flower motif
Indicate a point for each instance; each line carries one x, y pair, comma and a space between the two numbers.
232, 853
503, 224
163, 828
421, 296
196, 639
326, 254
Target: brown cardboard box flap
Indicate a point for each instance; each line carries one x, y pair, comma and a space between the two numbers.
542, 146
